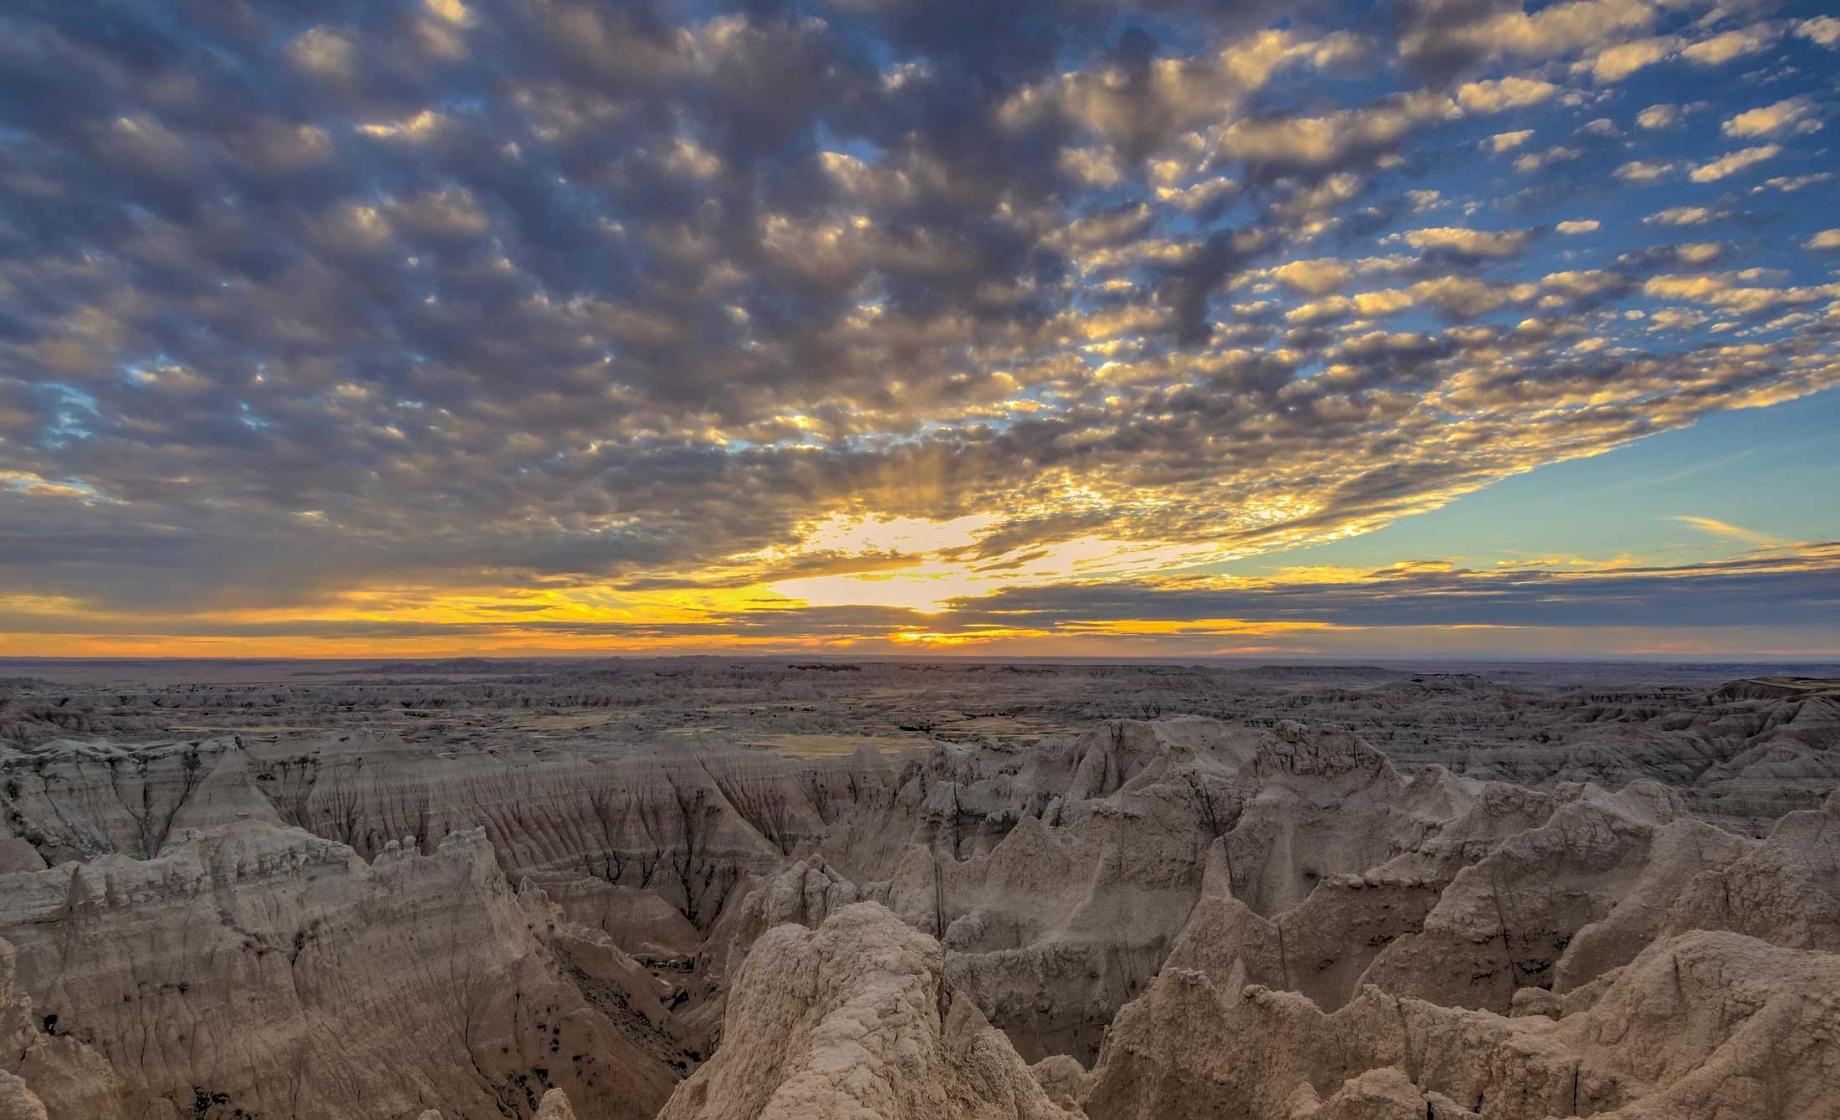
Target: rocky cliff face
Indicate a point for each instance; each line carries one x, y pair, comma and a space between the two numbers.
78, 800
255, 970
857, 1019
45, 1072
1327, 939
1703, 1025
1171, 918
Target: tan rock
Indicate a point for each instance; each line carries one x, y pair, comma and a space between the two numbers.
1705, 1026
1254, 922
855, 1020
262, 968
554, 1106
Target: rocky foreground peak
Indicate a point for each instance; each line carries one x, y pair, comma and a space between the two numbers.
856, 1019
1167, 919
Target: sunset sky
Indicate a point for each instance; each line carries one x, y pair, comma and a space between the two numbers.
1427, 328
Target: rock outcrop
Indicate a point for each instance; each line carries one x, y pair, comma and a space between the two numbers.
506, 917
46, 1073
262, 969
1703, 1026
853, 1020
73, 800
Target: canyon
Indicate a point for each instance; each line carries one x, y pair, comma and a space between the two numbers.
707, 888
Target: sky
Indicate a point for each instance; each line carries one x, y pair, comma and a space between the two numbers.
1428, 328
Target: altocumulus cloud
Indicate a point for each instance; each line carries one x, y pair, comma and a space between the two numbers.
404, 310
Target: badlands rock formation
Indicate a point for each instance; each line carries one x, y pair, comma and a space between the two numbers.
524, 915
1744, 751
857, 1019
255, 970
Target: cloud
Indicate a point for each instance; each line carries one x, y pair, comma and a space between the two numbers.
1469, 242
1586, 284
1824, 30
1334, 139
1777, 596
402, 309
1739, 292
1137, 101
327, 53
1617, 61
418, 127
1453, 34
1790, 113
1725, 46
1733, 532
1645, 171
1726, 166
1558, 153
1683, 216
1314, 277
1613, 64
1789, 184
1698, 252
1824, 239
1761, 590
1659, 116
1500, 94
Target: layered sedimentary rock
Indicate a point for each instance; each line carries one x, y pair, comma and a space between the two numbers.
45, 1072
679, 822
75, 800
1703, 1025
857, 1019
1785, 890
1342, 925
256, 970
1255, 919
1745, 751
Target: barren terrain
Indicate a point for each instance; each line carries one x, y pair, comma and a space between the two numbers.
715, 888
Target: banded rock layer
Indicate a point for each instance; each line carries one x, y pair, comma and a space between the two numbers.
253, 970
1173, 918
